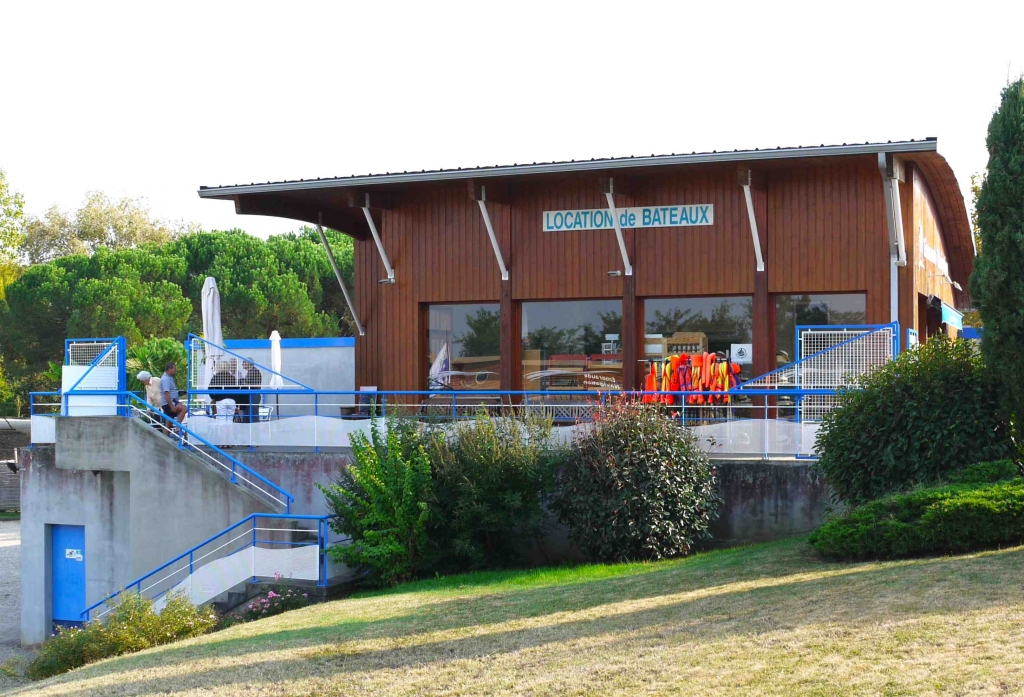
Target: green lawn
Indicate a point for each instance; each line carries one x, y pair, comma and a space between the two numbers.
767, 619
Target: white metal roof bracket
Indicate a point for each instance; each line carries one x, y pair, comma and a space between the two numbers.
482, 201
380, 246
753, 226
618, 233
341, 281
888, 167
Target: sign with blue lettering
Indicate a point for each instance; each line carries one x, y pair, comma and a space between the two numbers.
641, 216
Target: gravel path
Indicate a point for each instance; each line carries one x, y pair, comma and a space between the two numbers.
10, 599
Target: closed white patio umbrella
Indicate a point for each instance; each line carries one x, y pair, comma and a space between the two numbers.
212, 332
276, 382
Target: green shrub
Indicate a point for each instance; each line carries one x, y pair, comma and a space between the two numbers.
380, 502
915, 420
491, 477
957, 518
131, 626
636, 486
984, 473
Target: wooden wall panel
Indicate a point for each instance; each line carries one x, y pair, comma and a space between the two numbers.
930, 238
701, 260
823, 230
561, 265
829, 233
437, 243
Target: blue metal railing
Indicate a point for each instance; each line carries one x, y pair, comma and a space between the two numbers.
253, 540
185, 436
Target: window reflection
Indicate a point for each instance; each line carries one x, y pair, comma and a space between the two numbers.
792, 311
463, 347
700, 324
574, 345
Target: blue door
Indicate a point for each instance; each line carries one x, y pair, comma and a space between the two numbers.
68, 543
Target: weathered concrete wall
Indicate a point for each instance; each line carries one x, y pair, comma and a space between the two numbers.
141, 499
762, 500
298, 473
50, 496
768, 500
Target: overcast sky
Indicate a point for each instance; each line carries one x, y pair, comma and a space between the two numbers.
155, 99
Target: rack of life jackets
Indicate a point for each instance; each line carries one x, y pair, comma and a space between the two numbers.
697, 372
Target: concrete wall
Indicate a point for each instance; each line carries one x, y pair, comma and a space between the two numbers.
299, 473
768, 500
141, 499
762, 500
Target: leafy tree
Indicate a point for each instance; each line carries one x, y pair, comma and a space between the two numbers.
303, 253
972, 318
484, 335
996, 282
257, 293
100, 222
12, 221
152, 355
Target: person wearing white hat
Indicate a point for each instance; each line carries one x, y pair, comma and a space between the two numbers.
152, 388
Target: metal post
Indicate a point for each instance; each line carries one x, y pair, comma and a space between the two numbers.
316, 422
494, 239
380, 245
341, 282
454, 407
765, 429
618, 234
253, 555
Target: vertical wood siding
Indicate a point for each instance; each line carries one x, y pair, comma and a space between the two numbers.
829, 233
824, 231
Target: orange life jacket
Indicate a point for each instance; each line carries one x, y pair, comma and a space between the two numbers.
651, 384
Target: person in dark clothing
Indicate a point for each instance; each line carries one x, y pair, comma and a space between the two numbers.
252, 379
224, 379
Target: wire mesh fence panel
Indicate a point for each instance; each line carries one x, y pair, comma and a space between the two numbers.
834, 357
85, 352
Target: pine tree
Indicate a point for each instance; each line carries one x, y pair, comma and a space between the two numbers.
998, 280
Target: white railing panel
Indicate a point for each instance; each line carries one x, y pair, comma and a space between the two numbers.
44, 429
301, 563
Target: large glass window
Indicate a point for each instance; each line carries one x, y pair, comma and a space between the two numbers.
692, 325
792, 311
463, 347
572, 345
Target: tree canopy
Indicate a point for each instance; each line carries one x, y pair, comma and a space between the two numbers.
12, 221
997, 284
154, 290
100, 222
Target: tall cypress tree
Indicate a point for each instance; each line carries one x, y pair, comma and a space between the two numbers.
998, 280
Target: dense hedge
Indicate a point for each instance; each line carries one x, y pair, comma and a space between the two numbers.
131, 626
917, 419
954, 518
636, 486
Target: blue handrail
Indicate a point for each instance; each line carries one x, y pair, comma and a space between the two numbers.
192, 550
235, 464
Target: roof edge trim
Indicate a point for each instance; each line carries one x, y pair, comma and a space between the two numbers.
927, 145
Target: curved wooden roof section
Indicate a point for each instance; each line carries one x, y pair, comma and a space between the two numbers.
336, 201
952, 213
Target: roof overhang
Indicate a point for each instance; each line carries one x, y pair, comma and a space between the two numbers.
910, 146
336, 201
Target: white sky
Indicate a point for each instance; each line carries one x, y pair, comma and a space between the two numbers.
154, 99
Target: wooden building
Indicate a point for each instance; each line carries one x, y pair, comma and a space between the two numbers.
570, 274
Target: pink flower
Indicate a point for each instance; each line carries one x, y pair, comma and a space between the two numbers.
271, 594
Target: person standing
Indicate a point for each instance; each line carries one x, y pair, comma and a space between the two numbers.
252, 380
151, 386
169, 403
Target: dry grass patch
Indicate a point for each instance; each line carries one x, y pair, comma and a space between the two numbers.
769, 619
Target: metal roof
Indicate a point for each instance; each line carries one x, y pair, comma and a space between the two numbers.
926, 145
